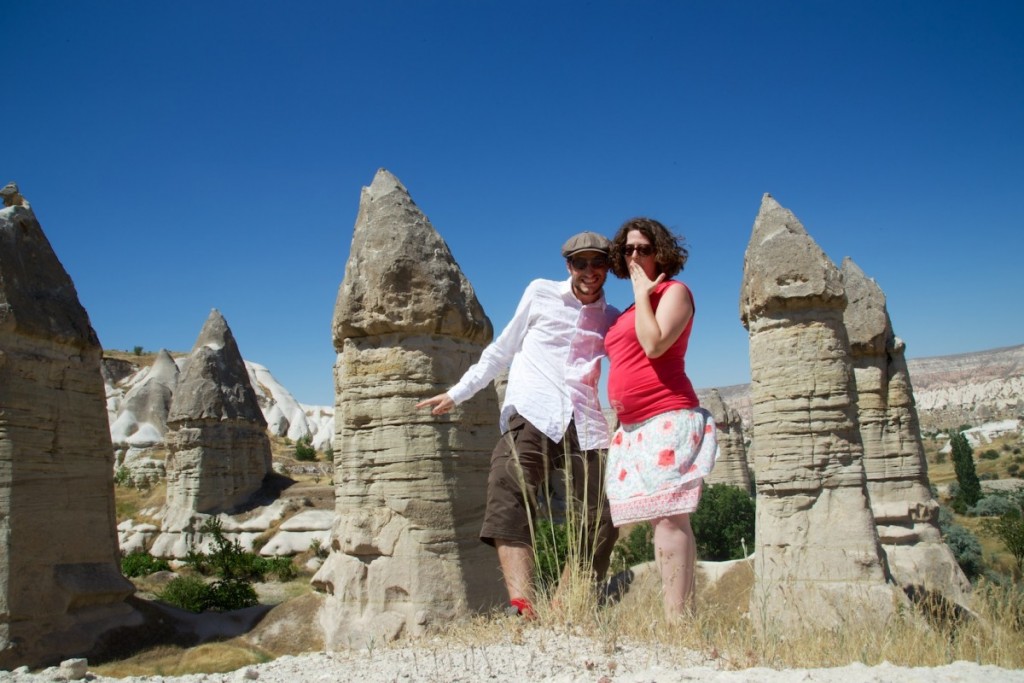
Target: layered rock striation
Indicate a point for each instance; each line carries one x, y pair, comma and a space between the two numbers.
61, 588
818, 555
410, 487
731, 467
906, 514
218, 448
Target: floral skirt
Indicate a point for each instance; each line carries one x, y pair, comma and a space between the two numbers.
656, 468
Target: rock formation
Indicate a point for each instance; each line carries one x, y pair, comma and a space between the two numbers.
410, 487
141, 423
906, 514
818, 555
218, 449
731, 467
61, 587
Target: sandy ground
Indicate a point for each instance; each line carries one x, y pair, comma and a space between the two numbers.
538, 655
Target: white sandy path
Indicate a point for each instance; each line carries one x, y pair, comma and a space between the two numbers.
543, 655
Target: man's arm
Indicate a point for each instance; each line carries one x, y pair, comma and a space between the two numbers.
493, 360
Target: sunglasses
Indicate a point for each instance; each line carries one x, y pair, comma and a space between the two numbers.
641, 249
597, 263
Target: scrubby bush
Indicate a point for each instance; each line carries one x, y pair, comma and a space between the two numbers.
229, 561
122, 477
1013, 469
965, 546
141, 563
195, 595
187, 592
304, 451
1009, 529
990, 454
231, 594
723, 522
992, 505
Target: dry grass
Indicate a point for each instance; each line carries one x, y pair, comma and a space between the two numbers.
129, 501
177, 661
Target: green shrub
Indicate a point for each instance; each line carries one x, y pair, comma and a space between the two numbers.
1009, 529
137, 350
993, 505
990, 454
723, 522
229, 561
122, 477
1013, 469
231, 594
141, 563
965, 546
187, 592
550, 549
195, 595
304, 451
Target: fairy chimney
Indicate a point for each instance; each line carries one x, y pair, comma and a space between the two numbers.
818, 553
731, 467
409, 487
61, 588
218, 449
905, 512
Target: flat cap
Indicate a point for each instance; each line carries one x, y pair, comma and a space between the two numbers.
585, 241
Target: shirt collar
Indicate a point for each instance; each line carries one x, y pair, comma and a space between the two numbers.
565, 289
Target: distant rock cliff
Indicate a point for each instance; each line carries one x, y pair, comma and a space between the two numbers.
967, 388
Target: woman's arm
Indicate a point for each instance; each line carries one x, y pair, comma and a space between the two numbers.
657, 332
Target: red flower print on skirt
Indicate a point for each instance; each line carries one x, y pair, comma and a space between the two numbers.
622, 474
667, 458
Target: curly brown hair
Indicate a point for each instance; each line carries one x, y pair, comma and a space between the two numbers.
670, 254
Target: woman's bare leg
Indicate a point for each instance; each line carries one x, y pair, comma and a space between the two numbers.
675, 551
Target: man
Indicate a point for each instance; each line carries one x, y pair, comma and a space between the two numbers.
551, 417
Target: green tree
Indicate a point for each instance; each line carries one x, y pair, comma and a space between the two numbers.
1009, 528
967, 478
723, 523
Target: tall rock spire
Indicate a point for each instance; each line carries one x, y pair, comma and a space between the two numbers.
409, 487
905, 512
61, 587
218, 449
817, 552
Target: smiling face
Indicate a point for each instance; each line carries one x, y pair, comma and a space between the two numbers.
588, 271
639, 250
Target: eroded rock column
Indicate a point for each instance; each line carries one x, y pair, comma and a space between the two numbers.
905, 512
61, 587
731, 467
410, 487
818, 557
218, 448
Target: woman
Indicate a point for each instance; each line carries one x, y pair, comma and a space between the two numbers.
666, 444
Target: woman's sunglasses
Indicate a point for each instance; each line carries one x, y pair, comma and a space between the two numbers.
642, 249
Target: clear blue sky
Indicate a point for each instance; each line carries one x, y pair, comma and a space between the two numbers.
185, 156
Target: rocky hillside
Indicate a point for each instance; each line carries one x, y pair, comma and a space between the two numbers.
967, 388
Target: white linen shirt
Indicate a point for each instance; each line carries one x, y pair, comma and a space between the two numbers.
553, 348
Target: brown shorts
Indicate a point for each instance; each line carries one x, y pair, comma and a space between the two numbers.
522, 464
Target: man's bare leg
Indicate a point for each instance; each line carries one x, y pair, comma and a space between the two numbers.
516, 560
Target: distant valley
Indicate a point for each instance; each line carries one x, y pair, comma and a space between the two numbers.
966, 388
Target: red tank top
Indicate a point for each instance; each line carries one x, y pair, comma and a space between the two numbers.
640, 387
